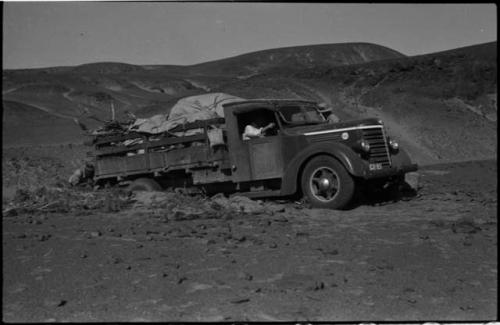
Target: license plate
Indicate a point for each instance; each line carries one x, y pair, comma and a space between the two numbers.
375, 166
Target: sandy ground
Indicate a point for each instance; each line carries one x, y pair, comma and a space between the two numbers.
431, 257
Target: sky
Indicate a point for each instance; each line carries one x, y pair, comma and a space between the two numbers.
45, 34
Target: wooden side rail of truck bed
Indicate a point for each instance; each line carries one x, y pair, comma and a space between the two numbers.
113, 144
147, 145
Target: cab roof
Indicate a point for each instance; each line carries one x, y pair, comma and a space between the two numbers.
249, 104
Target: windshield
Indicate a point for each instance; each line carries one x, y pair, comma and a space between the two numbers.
299, 115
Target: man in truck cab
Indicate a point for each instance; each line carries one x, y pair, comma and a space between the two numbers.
253, 131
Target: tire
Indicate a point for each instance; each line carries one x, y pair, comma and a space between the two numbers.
144, 184
326, 183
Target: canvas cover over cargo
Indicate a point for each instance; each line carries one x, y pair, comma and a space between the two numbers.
186, 110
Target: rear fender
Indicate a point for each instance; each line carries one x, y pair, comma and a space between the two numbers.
347, 157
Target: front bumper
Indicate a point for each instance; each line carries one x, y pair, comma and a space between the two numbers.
392, 171
401, 164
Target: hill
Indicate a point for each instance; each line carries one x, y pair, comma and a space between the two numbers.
441, 105
90, 90
296, 57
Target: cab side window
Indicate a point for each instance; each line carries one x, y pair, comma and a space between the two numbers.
250, 124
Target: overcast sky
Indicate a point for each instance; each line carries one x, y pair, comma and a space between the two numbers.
42, 34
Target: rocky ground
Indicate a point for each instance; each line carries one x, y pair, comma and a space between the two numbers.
80, 255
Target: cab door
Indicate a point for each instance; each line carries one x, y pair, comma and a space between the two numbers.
254, 159
266, 159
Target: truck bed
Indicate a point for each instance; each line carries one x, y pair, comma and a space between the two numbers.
155, 153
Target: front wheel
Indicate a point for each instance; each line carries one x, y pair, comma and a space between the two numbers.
327, 184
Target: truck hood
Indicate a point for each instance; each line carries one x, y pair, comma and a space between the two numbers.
326, 126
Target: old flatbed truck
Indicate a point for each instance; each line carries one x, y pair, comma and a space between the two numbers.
303, 154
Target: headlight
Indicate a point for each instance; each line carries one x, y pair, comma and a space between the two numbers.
365, 146
393, 145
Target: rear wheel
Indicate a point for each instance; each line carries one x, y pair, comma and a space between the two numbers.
144, 184
326, 183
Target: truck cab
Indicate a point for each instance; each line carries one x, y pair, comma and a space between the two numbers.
304, 152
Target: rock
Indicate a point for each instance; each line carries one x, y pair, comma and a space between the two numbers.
95, 234
117, 260
319, 285
55, 302
280, 219
413, 180
465, 225
245, 276
239, 300
187, 213
273, 245
43, 237
240, 204
275, 208
181, 279
331, 252
240, 238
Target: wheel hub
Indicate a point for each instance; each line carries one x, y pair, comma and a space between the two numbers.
324, 184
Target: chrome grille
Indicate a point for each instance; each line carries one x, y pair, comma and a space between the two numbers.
379, 152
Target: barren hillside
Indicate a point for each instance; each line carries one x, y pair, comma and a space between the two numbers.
441, 106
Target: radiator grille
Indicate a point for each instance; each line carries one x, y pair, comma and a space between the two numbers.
379, 152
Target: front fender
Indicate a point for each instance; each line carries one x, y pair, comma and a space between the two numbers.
402, 160
347, 157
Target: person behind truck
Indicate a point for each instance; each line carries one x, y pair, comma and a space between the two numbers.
82, 174
327, 112
253, 131
332, 118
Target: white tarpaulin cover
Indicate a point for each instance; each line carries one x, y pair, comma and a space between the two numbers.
211, 102
188, 109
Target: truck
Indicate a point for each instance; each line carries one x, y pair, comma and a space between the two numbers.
302, 155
